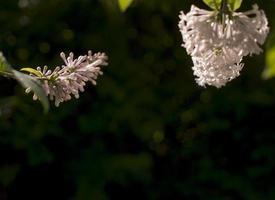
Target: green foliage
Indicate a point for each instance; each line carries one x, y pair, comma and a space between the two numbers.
25, 80
30, 82
119, 168
38, 154
216, 4
146, 131
124, 4
32, 71
4, 65
269, 71
235, 4
8, 174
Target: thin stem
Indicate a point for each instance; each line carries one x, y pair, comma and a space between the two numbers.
11, 75
224, 5
224, 12
7, 74
42, 78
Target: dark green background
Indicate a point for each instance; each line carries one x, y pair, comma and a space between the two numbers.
147, 131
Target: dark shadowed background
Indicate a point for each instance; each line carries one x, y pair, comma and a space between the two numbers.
146, 131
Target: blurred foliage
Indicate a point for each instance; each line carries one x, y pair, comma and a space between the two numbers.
30, 83
124, 4
147, 131
216, 4
269, 71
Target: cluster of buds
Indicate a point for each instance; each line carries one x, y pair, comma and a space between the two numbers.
66, 81
218, 40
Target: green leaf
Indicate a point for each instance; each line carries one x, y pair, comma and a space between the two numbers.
32, 71
234, 4
124, 4
4, 65
214, 4
269, 71
30, 82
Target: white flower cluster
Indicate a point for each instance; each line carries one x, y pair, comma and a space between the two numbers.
71, 78
217, 41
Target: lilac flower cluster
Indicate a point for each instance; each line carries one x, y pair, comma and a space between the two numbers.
66, 81
217, 41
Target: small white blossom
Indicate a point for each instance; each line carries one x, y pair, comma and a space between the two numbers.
217, 42
71, 78
216, 75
